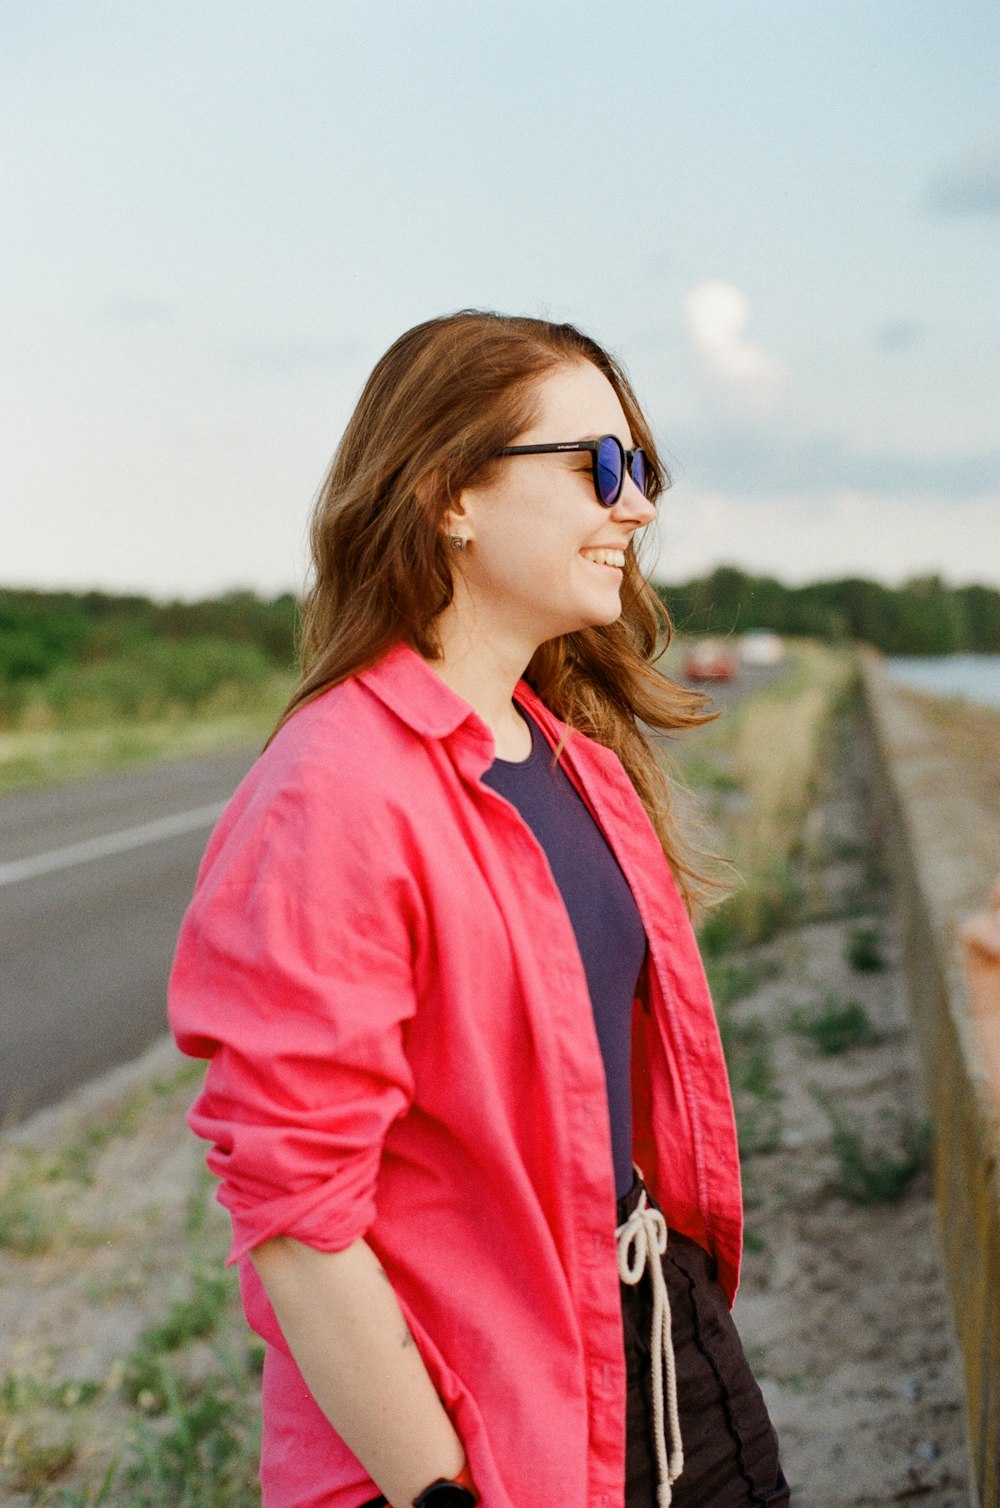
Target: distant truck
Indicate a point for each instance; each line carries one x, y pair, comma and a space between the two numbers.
758, 646
710, 660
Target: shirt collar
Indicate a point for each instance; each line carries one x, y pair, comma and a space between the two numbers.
409, 687
406, 684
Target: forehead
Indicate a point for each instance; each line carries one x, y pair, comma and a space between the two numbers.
575, 403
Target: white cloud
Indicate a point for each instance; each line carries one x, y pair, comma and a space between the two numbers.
717, 315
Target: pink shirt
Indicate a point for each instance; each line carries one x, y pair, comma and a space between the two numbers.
382, 972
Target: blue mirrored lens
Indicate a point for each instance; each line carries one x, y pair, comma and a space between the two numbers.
609, 470
640, 474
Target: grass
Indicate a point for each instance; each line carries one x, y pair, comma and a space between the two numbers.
750, 1060
36, 1188
767, 748
835, 1026
48, 753
864, 953
206, 1456
146, 1378
40, 1426
759, 768
876, 1168
731, 979
175, 1423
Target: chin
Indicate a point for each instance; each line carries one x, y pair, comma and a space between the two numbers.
611, 615
598, 620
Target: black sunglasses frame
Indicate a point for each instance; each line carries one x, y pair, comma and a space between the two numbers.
593, 446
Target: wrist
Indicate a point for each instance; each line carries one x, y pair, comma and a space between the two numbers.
449, 1492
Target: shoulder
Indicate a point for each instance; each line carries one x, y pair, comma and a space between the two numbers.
343, 734
323, 788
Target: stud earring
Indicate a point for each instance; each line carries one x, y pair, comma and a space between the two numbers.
457, 542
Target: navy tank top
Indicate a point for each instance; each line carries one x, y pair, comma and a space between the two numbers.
609, 932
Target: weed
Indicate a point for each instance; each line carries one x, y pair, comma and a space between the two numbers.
873, 1174
197, 1204
877, 873
758, 1126
92, 1496
41, 1420
863, 951
757, 1357
747, 1046
33, 1460
42, 755
772, 745
801, 1382
854, 900
731, 980
753, 1242
184, 1074
207, 1455
30, 1217
770, 898
836, 1026
22, 1390
189, 1319
716, 934
846, 848
33, 1186
145, 1380
749, 1058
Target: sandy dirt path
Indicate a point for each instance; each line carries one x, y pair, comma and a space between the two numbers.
843, 1306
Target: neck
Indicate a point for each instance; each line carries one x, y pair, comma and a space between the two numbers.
484, 669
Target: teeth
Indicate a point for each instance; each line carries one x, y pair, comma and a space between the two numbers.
606, 557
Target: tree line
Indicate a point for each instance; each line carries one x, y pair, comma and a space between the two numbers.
85, 655
923, 617
133, 655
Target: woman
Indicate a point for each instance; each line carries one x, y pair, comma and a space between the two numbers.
439, 958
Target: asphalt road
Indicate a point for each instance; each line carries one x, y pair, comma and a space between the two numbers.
94, 879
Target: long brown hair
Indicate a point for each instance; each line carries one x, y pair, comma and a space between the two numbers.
438, 406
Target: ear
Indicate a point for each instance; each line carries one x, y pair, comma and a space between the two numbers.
457, 523
456, 520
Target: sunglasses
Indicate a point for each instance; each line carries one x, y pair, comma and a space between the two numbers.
608, 462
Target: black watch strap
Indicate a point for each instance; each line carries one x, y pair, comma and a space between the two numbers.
445, 1494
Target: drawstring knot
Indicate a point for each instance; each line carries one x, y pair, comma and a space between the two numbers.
642, 1241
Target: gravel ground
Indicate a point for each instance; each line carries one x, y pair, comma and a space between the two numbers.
843, 1305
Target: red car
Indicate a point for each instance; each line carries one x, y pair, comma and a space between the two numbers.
710, 660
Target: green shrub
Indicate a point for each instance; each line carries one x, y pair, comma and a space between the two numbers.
863, 951
836, 1026
868, 1171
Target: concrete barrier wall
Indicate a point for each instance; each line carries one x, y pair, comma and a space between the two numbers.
944, 843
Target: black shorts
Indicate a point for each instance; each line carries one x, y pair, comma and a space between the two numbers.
730, 1448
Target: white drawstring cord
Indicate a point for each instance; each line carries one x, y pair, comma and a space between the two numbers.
642, 1240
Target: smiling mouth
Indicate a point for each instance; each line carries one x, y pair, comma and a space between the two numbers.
611, 559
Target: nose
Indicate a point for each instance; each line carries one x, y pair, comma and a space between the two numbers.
633, 505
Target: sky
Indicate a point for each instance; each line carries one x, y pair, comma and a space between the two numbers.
215, 215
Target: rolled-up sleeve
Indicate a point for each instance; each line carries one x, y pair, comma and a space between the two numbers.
294, 977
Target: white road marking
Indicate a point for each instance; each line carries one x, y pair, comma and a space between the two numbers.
110, 843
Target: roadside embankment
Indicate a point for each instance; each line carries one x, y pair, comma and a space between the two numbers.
938, 784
